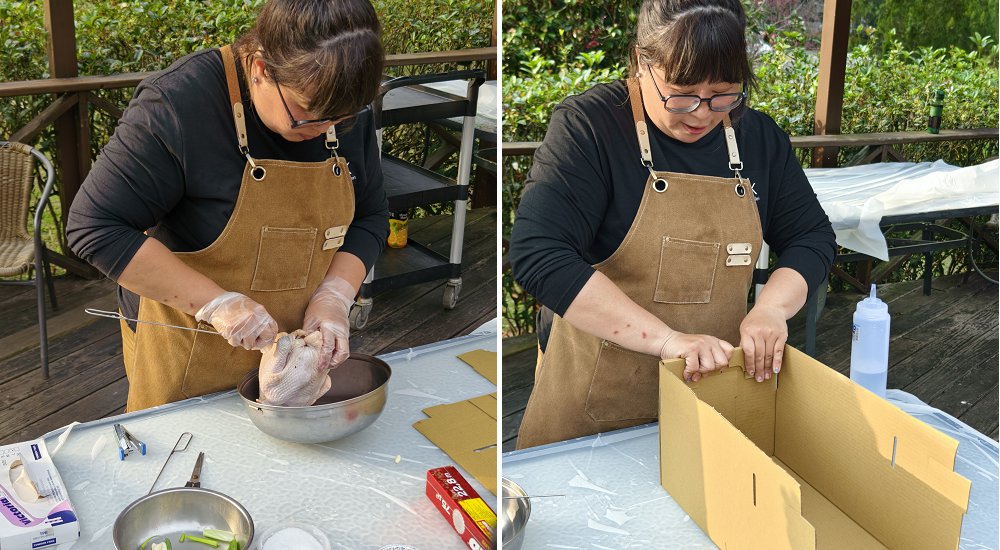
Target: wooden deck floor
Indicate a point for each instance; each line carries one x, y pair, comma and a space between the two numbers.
87, 377
943, 350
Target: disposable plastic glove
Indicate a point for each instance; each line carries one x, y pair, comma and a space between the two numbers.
240, 320
289, 373
328, 313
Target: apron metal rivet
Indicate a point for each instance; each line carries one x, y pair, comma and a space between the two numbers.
258, 172
740, 191
336, 170
659, 185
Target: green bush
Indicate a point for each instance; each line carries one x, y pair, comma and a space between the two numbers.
919, 23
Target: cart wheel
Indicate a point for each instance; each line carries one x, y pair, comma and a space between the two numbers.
359, 316
450, 297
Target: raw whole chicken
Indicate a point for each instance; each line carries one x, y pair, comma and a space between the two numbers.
289, 372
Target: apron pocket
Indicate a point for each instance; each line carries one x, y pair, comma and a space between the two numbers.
284, 258
687, 271
625, 385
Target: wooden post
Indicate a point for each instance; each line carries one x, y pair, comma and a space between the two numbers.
72, 127
62, 63
491, 67
832, 66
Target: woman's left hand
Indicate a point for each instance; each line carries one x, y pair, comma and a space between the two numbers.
328, 312
763, 334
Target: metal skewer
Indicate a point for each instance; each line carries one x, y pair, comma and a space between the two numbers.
177, 449
120, 317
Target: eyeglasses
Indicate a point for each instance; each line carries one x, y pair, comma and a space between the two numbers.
295, 122
683, 103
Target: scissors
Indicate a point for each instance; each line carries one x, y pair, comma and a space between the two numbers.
195, 480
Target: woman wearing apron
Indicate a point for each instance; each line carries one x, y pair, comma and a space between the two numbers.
241, 192
642, 220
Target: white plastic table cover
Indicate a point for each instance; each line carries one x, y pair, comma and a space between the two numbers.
857, 197
351, 489
613, 498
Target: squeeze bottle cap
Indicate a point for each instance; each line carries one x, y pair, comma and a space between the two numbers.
872, 306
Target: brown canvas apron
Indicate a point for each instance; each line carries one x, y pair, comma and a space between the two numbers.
688, 258
289, 220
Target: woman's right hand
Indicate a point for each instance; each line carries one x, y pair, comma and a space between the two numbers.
702, 353
240, 320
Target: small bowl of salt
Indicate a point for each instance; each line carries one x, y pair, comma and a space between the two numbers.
293, 536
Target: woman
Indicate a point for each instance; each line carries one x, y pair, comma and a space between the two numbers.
642, 220
241, 192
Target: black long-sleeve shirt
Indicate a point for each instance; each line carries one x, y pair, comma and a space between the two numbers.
584, 189
173, 166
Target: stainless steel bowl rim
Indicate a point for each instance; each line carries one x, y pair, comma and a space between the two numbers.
150, 496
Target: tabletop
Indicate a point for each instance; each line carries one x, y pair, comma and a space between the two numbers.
856, 198
364, 492
613, 498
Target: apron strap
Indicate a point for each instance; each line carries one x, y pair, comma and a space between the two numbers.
642, 132
236, 99
641, 129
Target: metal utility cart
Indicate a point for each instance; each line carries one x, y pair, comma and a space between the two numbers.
407, 100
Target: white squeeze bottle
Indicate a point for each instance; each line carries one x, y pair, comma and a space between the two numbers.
870, 344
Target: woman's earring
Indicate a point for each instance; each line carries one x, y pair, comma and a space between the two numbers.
255, 80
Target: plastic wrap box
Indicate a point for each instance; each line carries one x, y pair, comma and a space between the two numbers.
460, 504
35, 511
807, 460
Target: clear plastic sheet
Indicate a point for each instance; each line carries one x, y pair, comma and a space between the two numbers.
354, 489
613, 498
856, 198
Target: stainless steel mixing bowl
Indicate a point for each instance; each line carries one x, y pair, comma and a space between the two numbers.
514, 514
181, 509
355, 400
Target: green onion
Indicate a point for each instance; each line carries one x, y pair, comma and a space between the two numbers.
219, 535
192, 538
145, 542
233, 545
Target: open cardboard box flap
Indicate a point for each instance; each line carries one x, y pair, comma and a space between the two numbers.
806, 460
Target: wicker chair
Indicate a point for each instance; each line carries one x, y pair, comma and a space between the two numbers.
21, 254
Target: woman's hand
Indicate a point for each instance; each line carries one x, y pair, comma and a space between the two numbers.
702, 353
240, 320
328, 312
763, 333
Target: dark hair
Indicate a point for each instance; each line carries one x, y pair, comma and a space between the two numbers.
694, 41
328, 50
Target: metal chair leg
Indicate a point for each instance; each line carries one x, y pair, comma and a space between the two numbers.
43, 332
49, 276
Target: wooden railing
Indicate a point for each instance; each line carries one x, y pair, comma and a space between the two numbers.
74, 96
881, 145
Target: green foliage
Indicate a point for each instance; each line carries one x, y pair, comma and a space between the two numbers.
919, 23
887, 90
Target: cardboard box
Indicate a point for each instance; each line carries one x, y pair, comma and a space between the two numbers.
35, 511
805, 461
460, 504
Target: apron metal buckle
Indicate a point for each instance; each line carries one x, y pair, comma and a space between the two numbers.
256, 172
659, 184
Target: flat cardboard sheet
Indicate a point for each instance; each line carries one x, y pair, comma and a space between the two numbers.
467, 432
484, 362
832, 466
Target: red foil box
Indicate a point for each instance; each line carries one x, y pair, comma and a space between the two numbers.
460, 504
